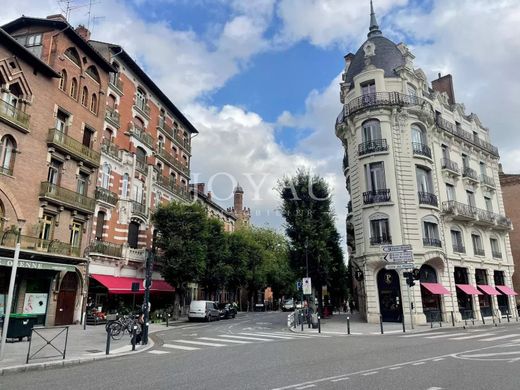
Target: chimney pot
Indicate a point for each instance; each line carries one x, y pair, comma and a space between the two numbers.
83, 32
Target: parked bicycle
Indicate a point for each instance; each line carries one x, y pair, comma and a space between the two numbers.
124, 324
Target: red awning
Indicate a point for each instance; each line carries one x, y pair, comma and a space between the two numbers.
468, 289
123, 285
506, 290
436, 288
489, 290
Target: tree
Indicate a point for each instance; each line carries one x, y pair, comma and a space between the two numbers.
182, 243
215, 272
314, 248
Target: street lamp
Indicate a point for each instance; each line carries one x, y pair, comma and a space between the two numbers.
10, 292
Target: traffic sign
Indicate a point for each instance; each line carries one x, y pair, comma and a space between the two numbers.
399, 266
398, 254
307, 288
298, 285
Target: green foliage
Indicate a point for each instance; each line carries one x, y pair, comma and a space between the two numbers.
217, 252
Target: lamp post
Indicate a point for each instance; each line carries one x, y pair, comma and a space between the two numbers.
10, 292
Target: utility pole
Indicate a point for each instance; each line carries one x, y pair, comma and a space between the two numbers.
147, 284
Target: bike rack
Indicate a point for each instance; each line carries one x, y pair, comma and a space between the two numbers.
48, 342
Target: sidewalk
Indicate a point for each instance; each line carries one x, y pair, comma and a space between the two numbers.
337, 324
82, 346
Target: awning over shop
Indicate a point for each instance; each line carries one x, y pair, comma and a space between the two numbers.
436, 288
123, 285
489, 290
506, 290
38, 265
468, 289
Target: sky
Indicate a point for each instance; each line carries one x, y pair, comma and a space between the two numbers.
260, 79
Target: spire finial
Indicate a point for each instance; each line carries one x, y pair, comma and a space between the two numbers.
374, 27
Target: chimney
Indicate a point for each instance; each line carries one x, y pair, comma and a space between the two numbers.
200, 188
209, 195
83, 32
445, 84
59, 17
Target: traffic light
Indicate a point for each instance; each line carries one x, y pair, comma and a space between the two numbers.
409, 278
416, 273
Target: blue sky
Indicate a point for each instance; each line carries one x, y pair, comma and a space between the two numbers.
259, 78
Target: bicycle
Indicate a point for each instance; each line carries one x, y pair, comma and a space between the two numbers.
122, 325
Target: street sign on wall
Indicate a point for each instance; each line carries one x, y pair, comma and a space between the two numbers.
398, 254
307, 287
400, 266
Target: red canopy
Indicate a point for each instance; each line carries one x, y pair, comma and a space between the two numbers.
123, 285
468, 289
436, 288
506, 290
489, 290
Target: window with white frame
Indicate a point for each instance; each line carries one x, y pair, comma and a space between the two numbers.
450, 192
424, 180
495, 248
105, 176
431, 232
457, 240
371, 130
478, 249
375, 176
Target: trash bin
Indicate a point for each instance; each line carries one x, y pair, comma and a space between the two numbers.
314, 321
20, 326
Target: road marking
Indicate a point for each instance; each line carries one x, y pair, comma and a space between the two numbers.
501, 337
473, 336
269, 335
438, 360
225, 341
418, 363
434, 388
446, 335
200, 343
491, 354
305, 387
370, 373
420, 334
183, 347
232, 336
158, 352
395, 368
340, 379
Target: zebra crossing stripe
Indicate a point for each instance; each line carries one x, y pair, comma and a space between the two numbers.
244, 337
473, 336
158, 352
183, 347
268, 335
509, 336
225, 341
448, 335
420, 334
200, 343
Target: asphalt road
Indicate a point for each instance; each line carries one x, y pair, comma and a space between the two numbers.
255, 351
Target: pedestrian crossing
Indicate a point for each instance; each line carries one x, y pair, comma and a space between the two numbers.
228, 340
484, 335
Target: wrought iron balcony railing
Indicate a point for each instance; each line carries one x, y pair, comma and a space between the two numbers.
428, 198
465, 212
10, 238
141, 166
450, 165
169, 184
487, 180
457, 208
421, 149
173, 161
380, 240
376, 196
479, 252
106, 248
66, 197
116, 82
374, 146
110, 149
138, 208
73, 147
503, 222
496, 254
173, 133
13, 114
428, 241
106, 196
459, 248
112, 116
143, 108
470, 173
141, 134
486, 216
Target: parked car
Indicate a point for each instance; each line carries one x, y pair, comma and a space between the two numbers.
203, 310
299, 305
227, 310
288, 305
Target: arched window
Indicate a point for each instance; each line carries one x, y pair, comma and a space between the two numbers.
111, 101
138, 122
93, 103
371, 130
478, 248
418, 135
379, 229
7, 153
100, 223
133, 235
74, 88
140, 154
72, 54
457, 240
430, 227
140, 99
124, 186
160, 142
84, 97
495, 247
63, 80
93, 73
105, 176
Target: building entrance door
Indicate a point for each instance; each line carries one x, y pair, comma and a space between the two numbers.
390, 302
66, 300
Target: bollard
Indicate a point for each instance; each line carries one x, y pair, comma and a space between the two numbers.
301, 314
507, 314
431, 324
109, 336
452, 319
404, 329
483, 319
381, 323
134, 329
319, 324
294, 319
348, 325
167, 319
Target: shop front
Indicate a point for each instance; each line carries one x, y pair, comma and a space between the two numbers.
431, 292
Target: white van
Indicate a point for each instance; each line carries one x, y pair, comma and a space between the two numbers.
203, 310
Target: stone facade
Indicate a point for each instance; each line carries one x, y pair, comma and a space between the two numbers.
420, 171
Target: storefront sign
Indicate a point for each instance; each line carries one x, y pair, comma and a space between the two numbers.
8, 262
35, 303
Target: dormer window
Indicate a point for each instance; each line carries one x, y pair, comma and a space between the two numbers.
368, 88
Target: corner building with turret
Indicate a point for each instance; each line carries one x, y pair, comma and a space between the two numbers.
420, 171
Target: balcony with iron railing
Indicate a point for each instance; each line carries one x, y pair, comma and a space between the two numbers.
464, 212
105, 248
14, 115
139, 208
376, 196
67, 198
459, 211
6, 171
143, 108
479, 252
470, 173
141, 166
140, 134
374, 146
110, 149
345, 162
420, 149
116, 83
380, 99
112, 116
9, 239
496, 254
465, 135
435, 242
502, 222
485, 217
451, 166
69, 145
426, 198
487, 181
459, 248
349, 206
169, 184
172, 132
106, 196
380, 240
